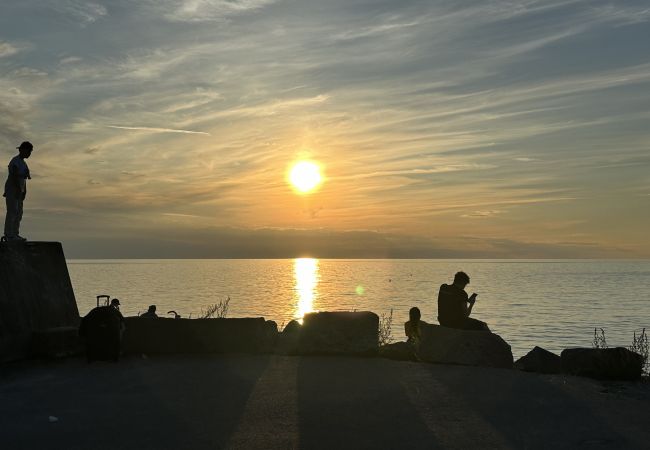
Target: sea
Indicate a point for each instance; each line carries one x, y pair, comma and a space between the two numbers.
554, 304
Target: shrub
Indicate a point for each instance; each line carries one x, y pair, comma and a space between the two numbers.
599, 338
640, 346
216, 311
385, 325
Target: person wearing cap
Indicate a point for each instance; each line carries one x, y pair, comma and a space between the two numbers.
115, 304
16, 191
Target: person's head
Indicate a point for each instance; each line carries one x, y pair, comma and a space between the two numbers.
115, 303
461, 279
25, 149
152, 308
414, 314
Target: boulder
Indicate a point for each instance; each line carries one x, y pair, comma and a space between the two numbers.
287, 341
610, 363
221, 335
339, 333
539, 360
440, 344
401, 351
292, 327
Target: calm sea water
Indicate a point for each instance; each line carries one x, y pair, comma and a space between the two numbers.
554, 304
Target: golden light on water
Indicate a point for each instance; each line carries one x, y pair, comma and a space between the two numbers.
305, 176
306, 274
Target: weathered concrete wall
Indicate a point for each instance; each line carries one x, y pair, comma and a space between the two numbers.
35, 294
163, 335
339, 333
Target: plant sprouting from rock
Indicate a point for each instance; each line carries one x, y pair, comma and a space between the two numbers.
385, 325
216, 311
640, 346
599, 338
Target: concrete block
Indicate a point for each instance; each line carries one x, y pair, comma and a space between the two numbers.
440, 344
35, 294
339, 333
164, 335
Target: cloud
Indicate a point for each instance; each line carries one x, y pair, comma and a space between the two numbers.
208, 10
158, 130
70, 60
7, 49
419, 113
85, 13
482, 214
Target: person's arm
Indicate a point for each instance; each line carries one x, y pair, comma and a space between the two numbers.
14, 176
471, 302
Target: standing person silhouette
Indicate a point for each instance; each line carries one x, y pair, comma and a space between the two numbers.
16, 190
453, 309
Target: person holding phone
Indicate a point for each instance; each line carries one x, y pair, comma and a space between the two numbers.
455, 306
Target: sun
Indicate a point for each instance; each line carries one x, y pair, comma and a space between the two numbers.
305, 176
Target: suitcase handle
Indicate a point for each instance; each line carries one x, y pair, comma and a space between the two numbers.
107, 297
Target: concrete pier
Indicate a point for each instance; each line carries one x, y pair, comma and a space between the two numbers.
35, 295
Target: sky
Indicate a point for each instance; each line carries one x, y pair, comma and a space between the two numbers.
444, 129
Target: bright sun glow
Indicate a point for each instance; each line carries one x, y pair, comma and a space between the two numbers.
305, 176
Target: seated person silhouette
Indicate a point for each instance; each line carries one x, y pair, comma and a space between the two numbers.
151, 313
453, 309
412, 327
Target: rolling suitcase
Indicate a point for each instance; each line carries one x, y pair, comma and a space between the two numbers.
101, 329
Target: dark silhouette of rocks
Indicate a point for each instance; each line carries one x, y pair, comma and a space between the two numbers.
473, 348
287, 341
292, 327
400, 351
539, 360
609, 363
166, 335
339, 333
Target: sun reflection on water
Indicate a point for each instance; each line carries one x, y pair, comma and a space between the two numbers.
306, 274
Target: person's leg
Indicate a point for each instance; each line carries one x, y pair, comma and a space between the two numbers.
10, 219
19, 215
475, 325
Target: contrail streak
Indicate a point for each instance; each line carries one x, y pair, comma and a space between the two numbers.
158, 130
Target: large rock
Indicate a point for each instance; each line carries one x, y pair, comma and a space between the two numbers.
287, 341
473, 348
401, 351
163, 335
540, 360
339, 333
611, 363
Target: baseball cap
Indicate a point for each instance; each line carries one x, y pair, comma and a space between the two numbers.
25, 144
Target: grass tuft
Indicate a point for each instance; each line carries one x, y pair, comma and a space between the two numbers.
599, 339
385, 328
216, 311
640, 346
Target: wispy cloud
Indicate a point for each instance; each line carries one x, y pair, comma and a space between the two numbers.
209, 10
83, 12
7, 49
425, 115
482, 214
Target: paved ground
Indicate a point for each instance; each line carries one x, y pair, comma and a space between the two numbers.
210, 402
